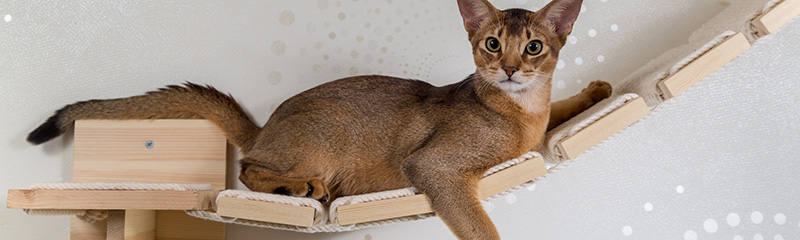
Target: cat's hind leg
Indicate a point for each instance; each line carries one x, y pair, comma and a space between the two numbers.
261, 179
563, 110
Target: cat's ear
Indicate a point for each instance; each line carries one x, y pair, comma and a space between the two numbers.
561, 14
475, 13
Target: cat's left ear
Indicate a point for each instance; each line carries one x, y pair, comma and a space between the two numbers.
561, 14
475, 13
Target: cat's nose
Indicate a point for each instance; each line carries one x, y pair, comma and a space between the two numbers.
510, 70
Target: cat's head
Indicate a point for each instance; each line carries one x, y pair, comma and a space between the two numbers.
516, 50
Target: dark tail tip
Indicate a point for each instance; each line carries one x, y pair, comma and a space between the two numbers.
46, 131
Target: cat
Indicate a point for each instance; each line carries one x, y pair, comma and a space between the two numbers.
373, 133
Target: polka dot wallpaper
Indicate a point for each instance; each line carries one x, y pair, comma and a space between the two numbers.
57, 52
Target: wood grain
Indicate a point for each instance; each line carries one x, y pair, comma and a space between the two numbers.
266, 211
419, 204
781, 14
603, 128
176, 225
109, 199
703, 66
131, 225
184, 151
82, 230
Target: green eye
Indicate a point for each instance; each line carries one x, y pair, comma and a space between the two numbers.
534, 47
492, 44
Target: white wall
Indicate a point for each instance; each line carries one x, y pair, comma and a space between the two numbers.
54, 53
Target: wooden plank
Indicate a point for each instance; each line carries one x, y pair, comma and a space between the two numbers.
384, 209
176, 225
82, 230
603, 128
781, 14
511, 177
703, 66
419, 204
266, 211
184, 151
109, 199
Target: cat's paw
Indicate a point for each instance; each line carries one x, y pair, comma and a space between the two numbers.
597, 91
310, 188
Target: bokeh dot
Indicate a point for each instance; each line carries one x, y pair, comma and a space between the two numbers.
780, 218
756, 217
511, 198
648, 207
274, 78
278, 48
690, 235
733, 219
286, 18
627, 230
710, 225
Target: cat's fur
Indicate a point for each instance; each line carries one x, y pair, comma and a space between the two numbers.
373, 133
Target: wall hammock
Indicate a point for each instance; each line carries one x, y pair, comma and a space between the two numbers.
123, 188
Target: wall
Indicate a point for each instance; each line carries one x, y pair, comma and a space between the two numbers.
54, 53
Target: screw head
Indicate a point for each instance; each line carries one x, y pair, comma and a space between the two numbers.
149, 144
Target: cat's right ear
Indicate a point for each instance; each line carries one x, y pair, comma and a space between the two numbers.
475, 13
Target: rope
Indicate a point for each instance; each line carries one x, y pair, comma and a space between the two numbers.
331, 225
92, 216
567, 129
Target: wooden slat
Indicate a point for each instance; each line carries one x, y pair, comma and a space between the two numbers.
603, 128
109, 199
511, 177
703, 66
176, 225
184, 151
266, 211
419, 204
384, 209
781, 14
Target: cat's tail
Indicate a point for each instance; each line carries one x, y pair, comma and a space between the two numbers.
188, 101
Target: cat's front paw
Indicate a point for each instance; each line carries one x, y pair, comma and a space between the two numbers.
597, 91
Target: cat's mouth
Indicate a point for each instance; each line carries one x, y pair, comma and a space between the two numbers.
509, 80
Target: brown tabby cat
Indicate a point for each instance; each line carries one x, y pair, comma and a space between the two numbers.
374, 133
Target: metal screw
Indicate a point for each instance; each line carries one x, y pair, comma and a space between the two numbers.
149, 144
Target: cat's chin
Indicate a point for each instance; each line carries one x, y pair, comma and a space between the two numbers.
514, 86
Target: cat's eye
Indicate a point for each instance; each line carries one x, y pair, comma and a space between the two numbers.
534, 47
492, 44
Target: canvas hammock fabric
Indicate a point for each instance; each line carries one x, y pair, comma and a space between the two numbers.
326, 220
